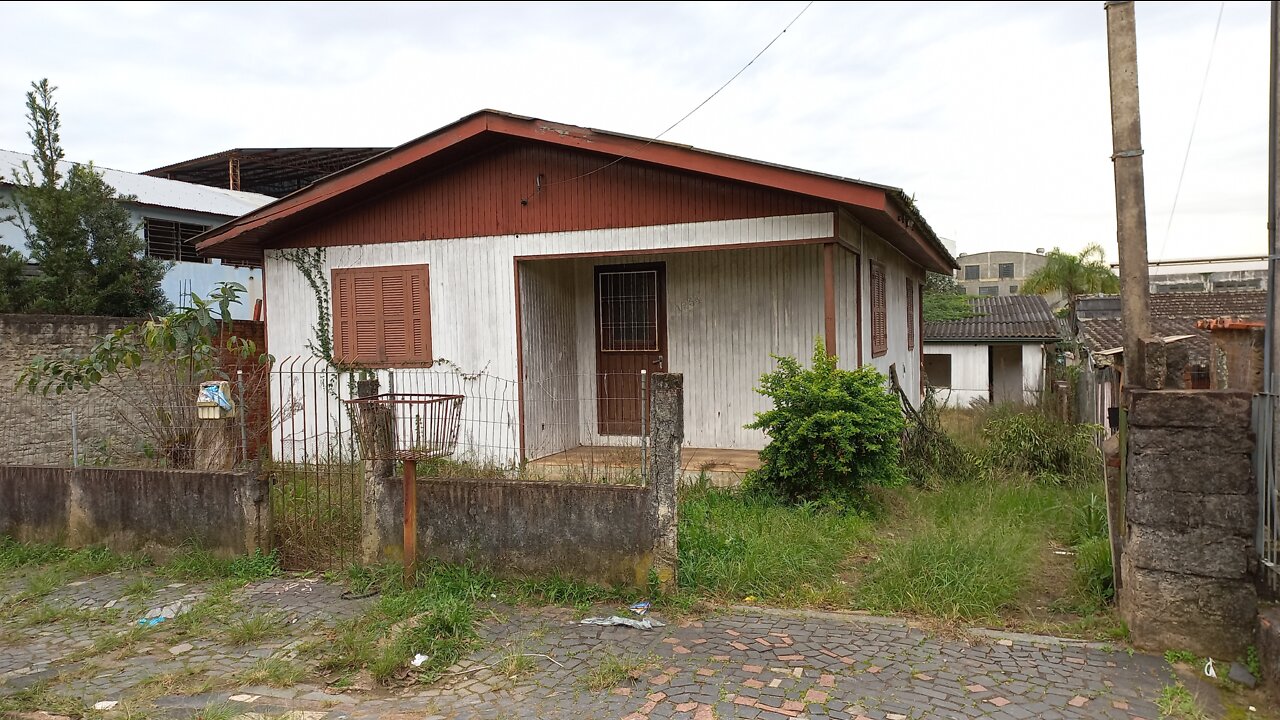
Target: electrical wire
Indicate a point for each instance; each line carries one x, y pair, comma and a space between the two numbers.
696, 108
1194, 121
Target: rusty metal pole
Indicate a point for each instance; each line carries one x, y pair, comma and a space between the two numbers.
1131, 202
410, 521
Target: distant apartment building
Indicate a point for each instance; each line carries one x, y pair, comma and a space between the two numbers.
998, 273
1225, 274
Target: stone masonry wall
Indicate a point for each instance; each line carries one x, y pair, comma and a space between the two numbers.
35, 430
1188, 563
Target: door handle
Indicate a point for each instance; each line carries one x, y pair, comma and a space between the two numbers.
658, 361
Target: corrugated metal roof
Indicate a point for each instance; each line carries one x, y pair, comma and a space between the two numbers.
155, 191
1171, 314
1001, 319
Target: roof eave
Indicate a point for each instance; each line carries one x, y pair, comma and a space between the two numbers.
897, 219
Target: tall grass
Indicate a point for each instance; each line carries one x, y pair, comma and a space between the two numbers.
736, 544
967, 550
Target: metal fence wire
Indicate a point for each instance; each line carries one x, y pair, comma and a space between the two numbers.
329, 423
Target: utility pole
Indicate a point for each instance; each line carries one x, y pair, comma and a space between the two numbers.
1272, 350
1131, 201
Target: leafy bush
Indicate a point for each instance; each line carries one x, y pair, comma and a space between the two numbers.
1043, 446
1093, 569
830, 430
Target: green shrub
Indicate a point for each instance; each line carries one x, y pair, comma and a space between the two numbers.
831, 431
1042, 446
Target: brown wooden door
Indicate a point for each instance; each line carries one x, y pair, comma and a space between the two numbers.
631, 335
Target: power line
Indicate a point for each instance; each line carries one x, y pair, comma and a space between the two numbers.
696, 108
1194, 121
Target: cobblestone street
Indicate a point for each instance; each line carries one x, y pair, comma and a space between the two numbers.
84, 641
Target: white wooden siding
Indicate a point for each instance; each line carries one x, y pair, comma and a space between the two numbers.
473, 297
728, 313
897, 268
550, 351
1032, 372
969, 373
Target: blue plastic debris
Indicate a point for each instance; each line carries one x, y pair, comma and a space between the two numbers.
213, 393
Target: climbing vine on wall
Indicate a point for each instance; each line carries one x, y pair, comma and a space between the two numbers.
310, 262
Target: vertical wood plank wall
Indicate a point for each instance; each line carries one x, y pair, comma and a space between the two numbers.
897, 267
728, 313
549, 338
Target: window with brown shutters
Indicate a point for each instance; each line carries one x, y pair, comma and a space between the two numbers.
879, 326
382, 316
911, 315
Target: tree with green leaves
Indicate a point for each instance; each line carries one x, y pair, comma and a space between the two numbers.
945, 299
88, 250
1073, 275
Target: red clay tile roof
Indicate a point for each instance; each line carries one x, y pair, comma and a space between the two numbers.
1001, 319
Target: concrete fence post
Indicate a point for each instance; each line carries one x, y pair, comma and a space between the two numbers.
383, 501
666, 435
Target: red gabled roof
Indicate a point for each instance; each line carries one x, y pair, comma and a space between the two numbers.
886, 210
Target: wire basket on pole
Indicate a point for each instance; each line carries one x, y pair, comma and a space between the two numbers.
408, 428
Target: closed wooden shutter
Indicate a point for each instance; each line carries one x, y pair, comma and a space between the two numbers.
911, 315
879, 326
382, 316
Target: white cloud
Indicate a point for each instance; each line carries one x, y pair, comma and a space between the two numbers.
995, 115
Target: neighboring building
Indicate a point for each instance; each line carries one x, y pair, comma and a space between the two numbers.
998, 356
1173, 316
1205, 275
267, 171
998, 273
571, 259
168, 214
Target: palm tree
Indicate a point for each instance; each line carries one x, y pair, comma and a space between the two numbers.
1073, 275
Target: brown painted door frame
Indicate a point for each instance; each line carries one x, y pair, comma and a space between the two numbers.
630, 336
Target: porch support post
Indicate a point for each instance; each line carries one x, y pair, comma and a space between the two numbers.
829, 295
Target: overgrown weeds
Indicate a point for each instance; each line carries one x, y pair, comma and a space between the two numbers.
614, 670
274, 672
737, 544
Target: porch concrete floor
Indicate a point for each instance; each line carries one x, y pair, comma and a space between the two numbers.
722, 466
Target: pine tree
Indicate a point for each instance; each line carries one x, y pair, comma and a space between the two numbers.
88, 250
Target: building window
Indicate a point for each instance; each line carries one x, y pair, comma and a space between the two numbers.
989, 290
937, 370
911, 315
171, 240
970, 272
1013, 289
879, 326
1006, 270
382, 316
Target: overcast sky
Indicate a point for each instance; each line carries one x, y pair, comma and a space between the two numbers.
994, 115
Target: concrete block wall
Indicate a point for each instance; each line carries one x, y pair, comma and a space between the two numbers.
129, 510
1188, 563
610, 534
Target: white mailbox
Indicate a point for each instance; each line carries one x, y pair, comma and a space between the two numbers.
214, 401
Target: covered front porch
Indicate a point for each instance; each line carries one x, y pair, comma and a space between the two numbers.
592, 328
